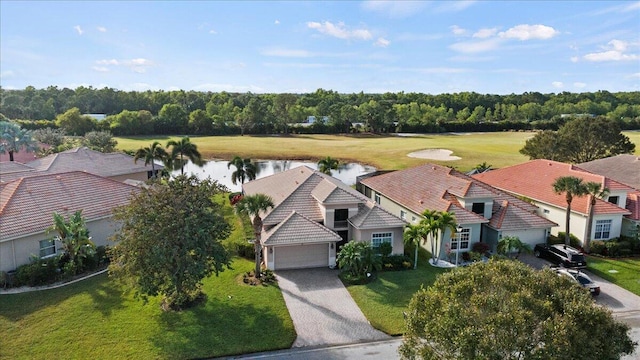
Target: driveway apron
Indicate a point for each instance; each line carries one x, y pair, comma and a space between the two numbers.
322, 309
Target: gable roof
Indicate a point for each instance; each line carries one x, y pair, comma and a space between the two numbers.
27, 204
435, 187
506, 216
624, 168
296, 229
534, 179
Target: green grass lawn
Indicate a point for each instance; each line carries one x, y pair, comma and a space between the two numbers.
93, 319
383, 300
499, 149
626, 272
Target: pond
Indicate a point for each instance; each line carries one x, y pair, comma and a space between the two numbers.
218, 170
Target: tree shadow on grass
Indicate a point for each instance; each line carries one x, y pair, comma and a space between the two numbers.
221, 327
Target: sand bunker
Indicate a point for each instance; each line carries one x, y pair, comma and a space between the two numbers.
434, 154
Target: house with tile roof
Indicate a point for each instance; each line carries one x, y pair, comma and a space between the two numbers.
484, 213
624, 168
618, 213
117, 166
27, 205
314, 215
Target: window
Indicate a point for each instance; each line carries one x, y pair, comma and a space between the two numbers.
613, 199
546, 211
377, 199
403, 215
47, 248
478, 208
379, 238
413, 219
464, 237
340, 218
367, 192
603, 229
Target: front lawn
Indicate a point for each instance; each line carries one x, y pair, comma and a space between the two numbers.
383, 300
622, 272
92, 319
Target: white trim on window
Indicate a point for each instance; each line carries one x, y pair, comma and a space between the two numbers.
603, 229
379, 238
377, 199
464, 236
47, 248
403, 215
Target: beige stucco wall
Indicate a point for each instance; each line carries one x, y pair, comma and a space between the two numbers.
578, 222
395, 208
365, 235
14, 253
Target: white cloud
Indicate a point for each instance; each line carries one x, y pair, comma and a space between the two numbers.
574, 59
339, 30
636, 75
108, 62
213, 32
78, 29
457, 30
287, 53
454, 6
632, 7
528, 32
138, 65
475, 46
101, 29
228, 87
613, 51
277, 22
139, 61
6, 74
579, 85
485, 33
382, 42
100, 69
557, 84
393, 8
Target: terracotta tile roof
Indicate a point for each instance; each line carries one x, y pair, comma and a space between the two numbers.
27, 204
507, 216
372, 216
300, 189
296, 229
436, 187
534, 179
85, 159
633, 205
624, 168
12, 170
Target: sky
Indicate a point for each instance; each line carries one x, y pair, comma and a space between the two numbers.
432, 47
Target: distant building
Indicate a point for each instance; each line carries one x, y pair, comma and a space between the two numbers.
312, 119
98, 117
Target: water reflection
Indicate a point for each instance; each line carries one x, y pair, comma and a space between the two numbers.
219, 170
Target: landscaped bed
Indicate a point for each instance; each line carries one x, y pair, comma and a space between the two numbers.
624, 272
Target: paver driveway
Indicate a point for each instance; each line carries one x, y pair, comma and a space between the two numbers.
322, 309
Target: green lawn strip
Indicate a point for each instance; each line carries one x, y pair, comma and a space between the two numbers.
93, 319
383, 300
622, 272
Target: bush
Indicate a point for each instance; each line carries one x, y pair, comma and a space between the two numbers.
598, 247
613, 248
38, 272
245, 250
385, 249
396, 262
480, 247
559, 239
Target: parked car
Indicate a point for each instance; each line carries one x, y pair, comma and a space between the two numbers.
580, 278
562, 255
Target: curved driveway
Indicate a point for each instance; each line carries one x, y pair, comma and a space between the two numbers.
322, 309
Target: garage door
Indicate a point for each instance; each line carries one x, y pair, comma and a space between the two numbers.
531, 236
301, 256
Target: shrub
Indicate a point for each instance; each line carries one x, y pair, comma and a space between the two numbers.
559, 239
385, 249
475, 256
245, 250
38, 272
396, 262
480, 247
599, 247
613, 248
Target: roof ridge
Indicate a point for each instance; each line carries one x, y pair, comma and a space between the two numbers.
17, 182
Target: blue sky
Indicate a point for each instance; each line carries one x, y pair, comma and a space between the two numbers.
372, 46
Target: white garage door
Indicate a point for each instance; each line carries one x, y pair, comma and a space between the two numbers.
531, 236
301, 256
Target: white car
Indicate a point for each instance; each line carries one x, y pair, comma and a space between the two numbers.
579, 277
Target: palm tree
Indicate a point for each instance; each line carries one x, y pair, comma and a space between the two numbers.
327, 164
13, 138
74, 236
245, 170
150, 155
446, 220
594, 191
253, 206
571, 186
184, 148
414, 234
430, 223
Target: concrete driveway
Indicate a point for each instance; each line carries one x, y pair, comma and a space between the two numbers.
322, 309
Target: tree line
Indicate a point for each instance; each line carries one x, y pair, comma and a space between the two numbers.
223, 113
